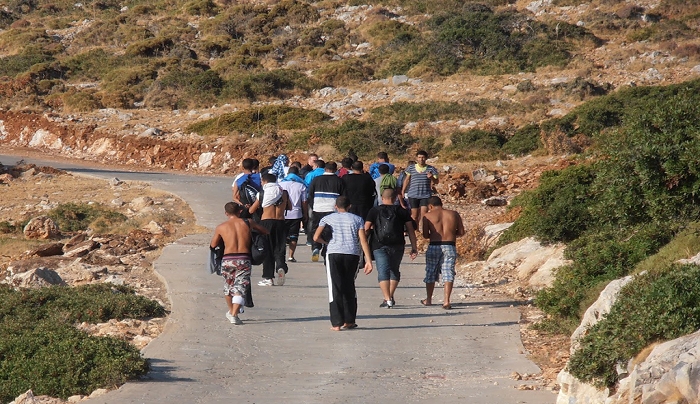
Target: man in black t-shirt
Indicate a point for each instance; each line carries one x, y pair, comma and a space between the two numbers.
360, 190
389, 218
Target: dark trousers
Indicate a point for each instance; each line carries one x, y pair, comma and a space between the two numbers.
342, 271
315, 219
277, 237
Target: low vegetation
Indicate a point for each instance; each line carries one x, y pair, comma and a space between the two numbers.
43, 351
71, 217
639, 195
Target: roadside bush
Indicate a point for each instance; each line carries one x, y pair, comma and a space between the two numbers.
262, 119
80, 216
525, 140
42, 350
657, 306
599, 257
557, 210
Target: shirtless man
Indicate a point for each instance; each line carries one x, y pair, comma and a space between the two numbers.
441, 227
235, 266
274, 202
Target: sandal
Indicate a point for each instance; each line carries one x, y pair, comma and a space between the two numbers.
447, 307
423, 302
350, 326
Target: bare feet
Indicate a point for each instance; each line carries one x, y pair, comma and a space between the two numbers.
447, 306
335, 328
349, 326
426, 302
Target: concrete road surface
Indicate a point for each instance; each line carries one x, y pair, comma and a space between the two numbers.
286, 353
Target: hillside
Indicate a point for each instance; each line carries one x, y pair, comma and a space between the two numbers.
465, 81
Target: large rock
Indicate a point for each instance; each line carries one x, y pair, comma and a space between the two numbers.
533, 262
41, 227
47, 250
81, 249
574, 391
669, 374
26, 398
36, 278
141, 203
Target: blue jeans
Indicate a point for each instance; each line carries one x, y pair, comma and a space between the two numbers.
388, 260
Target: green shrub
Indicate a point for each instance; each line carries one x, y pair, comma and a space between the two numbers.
658, 306
80, 101
280, 83
342, 72
429, 111
557, 210
262, 119
7, 227
365, 138
16, 64
525, 140
599, 257
150, 47
474, 144
201, 7
80, 216
42, 350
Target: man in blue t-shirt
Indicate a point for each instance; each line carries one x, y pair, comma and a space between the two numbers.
382, 158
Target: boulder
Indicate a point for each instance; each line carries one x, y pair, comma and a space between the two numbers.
6, 178
75, 240
41, 227
26, 398
574, 391
36, 278
80, 249
47, 250
495, 201
669, 374
205, 159
141, 203
154, 228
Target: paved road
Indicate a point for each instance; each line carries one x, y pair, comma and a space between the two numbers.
285, 351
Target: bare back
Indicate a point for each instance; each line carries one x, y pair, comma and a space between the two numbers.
277, 211
442, 225
236, 236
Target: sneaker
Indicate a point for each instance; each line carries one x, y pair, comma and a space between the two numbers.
280, 276
266, 282
233, 319
291, 259
314, 255
390, 303
385, 303
308, 243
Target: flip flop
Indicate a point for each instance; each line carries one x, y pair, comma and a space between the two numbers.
423, 302
447, 307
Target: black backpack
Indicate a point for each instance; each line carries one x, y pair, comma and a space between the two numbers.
387, 228
248, 191
259, 246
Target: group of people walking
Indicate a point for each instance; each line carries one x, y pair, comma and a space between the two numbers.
351, 217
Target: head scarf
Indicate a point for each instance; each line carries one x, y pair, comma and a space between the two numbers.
279, 165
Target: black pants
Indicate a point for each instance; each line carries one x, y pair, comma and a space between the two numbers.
315, 219
342, 270
278, 246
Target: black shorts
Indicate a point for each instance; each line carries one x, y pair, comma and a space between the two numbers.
415, 203
292, 227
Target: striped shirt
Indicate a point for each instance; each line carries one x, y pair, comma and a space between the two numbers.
419, 185
345, 239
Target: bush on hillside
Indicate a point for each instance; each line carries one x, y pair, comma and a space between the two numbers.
365, 138
280, 83
558, 209
431, 111
475, 144
657, 306
262, 119
13, 65
525, 140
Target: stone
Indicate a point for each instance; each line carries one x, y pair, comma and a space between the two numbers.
141, 202
598, 310
574, 391
47, 250
26, 398
115, 182
98, 392
36, 278
75, 240
400, 79
495, 201
81, 249
42, 228
6, 178
154, 228
205, 159
151, 132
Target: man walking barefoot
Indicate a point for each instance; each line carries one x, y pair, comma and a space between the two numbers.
235, 265
442, 227
342, 259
